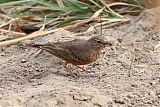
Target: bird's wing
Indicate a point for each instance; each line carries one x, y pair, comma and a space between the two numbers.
68, 53
78, 51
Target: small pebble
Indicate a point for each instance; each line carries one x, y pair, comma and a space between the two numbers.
23, 60
158, 95
120, 101
3, 54
153, 83
152, 93
131, 96
134, 85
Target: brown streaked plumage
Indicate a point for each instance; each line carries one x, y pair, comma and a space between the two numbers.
77, 52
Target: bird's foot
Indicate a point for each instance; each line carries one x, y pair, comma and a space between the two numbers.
68, 72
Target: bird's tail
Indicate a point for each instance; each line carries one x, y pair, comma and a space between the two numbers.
35, 45
49, 48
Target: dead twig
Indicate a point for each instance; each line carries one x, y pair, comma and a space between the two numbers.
106, 5
30, 36
107, 21
81, 22
15, 34
125, 4
9, 22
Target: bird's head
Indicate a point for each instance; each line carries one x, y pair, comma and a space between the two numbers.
99, 42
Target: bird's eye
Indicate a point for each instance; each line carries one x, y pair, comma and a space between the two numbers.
98, 41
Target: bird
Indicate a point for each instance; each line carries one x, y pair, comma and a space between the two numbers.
76, 52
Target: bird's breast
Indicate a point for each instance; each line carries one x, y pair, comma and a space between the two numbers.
86, 59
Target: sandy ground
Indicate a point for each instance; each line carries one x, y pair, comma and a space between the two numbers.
31, 80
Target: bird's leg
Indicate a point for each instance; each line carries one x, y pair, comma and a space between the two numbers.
66, 68
65, 65
82, 68
68, 71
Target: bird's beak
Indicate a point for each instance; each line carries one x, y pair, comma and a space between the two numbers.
108, 43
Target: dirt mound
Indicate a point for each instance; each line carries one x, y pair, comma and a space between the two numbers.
128, 74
